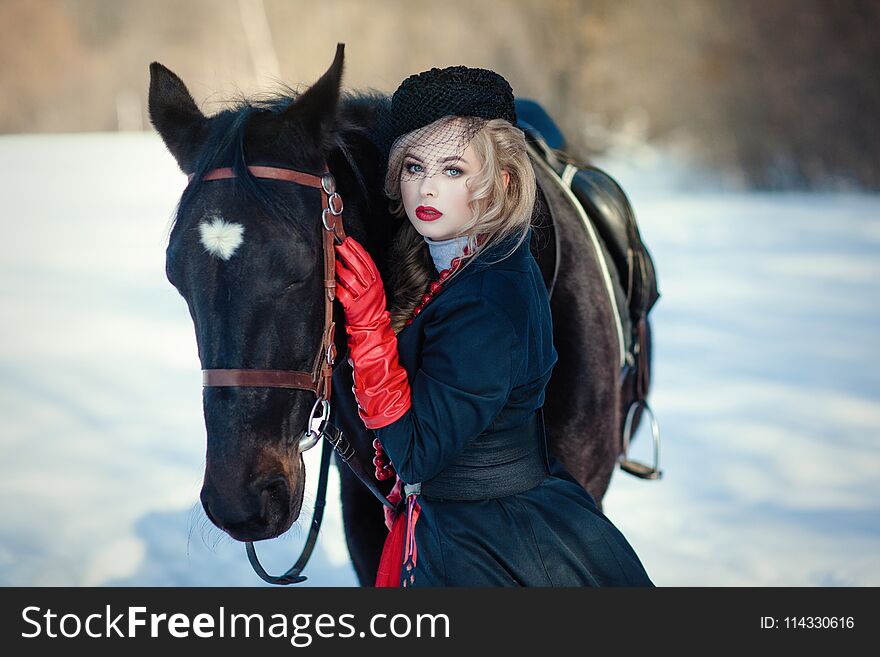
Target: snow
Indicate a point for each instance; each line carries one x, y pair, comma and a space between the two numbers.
764, 384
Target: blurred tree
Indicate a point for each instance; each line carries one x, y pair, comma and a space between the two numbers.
783, 94
37, 59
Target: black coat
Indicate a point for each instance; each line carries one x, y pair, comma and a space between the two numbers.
479, 357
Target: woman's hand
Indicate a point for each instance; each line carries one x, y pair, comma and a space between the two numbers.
380, 383
395, 496
359, 286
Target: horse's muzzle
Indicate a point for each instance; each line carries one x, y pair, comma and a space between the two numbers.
264, 510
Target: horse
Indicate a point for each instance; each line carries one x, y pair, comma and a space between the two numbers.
245, 253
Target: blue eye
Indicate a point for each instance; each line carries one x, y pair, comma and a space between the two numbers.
453, 172
412, 167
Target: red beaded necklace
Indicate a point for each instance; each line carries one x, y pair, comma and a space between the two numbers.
384, 469
435, 286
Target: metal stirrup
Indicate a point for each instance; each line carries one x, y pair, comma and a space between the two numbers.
636, 468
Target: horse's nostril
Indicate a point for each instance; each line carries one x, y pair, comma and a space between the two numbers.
274, 498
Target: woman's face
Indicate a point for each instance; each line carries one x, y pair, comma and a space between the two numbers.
434, 190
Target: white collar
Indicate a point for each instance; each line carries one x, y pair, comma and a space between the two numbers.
443, 251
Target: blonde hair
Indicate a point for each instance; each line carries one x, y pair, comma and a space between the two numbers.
499, 212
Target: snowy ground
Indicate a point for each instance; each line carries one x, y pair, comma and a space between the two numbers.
764, 384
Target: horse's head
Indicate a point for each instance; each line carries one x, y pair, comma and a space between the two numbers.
246, 254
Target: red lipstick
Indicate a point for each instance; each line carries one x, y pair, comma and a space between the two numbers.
427, 213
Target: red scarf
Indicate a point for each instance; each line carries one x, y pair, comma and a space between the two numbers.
400, 546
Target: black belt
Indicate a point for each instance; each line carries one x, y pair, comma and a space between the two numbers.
494, 465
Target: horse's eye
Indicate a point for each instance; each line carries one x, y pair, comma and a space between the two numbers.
291, 286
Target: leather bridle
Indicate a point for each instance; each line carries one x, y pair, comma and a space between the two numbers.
319, 379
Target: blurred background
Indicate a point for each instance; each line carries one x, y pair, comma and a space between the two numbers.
745, 133
774, 92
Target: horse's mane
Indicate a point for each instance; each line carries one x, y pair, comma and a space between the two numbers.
354, 136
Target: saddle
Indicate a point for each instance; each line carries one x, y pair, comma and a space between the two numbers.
602, 202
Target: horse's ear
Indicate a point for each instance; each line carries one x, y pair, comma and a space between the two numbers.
315, 109
174, 114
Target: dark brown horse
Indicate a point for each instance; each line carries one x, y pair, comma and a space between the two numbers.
246, 255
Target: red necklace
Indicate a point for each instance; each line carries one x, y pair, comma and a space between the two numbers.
384, 469
435, 286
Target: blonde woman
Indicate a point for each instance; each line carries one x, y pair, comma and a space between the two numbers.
452, 380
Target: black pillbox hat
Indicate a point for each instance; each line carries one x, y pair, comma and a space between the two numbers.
425, 97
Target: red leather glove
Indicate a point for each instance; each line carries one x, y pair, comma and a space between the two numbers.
380, 383
395, 496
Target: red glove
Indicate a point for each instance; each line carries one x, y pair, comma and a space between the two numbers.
380, 383
394, 497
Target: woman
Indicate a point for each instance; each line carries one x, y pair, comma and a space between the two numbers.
452, 381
